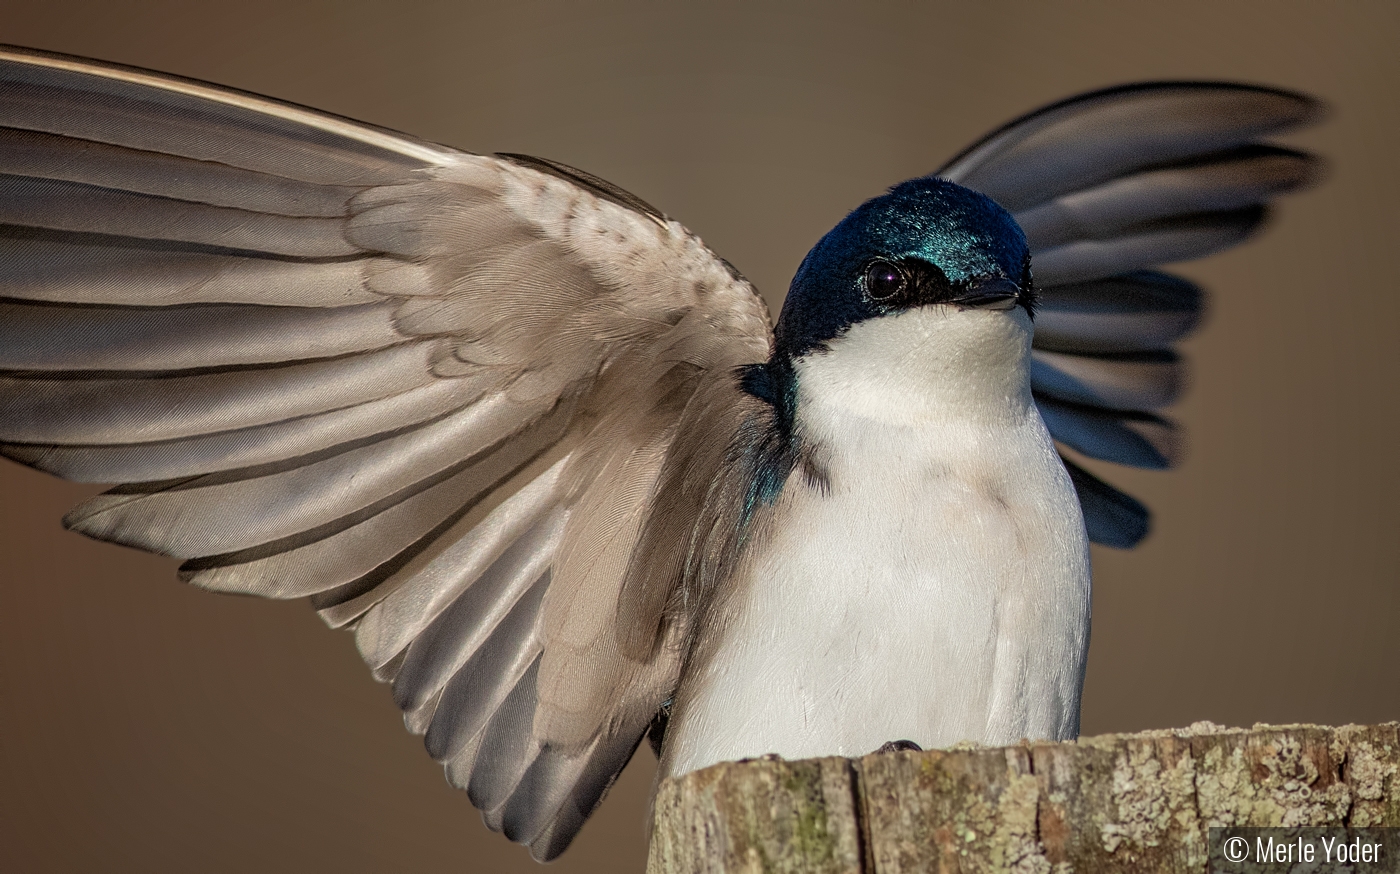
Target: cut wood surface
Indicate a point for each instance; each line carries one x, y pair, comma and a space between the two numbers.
1124, 802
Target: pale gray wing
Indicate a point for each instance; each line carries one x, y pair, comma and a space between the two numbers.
434, 392
1107, 186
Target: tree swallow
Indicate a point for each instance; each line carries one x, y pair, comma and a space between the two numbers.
538, 447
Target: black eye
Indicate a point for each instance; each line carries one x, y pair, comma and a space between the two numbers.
884, 280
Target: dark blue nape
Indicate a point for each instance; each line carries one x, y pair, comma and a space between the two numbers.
964, 234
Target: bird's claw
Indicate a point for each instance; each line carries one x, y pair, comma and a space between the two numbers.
899, 745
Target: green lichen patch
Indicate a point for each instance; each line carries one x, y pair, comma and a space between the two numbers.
966, 810
1119, 803
1270, 776
766, 816
1371, 767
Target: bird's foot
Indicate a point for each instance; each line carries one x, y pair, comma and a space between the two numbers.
766, 757
897, 745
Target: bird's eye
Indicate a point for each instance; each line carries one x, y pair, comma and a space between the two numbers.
884, 280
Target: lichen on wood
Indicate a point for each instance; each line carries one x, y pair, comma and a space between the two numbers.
1130, 802
763, 815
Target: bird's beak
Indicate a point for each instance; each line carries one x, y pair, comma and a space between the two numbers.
992, 293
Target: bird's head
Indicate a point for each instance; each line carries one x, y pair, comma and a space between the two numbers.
926, 242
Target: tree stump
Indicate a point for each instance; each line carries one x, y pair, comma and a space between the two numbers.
1125, 802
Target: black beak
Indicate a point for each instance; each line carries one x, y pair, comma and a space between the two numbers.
992, 293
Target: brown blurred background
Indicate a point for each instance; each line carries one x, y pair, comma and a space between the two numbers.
147, 726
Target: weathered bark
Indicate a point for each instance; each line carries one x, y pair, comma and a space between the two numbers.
1131, 802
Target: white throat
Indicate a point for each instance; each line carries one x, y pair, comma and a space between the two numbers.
929, 582
930, 367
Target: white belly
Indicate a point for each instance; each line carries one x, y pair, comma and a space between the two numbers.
936, 591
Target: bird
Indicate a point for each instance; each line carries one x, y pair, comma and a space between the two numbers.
548, 457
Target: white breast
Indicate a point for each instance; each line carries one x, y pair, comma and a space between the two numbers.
935, 588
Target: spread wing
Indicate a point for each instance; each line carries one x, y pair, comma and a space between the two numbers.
433, 392
1107, 186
